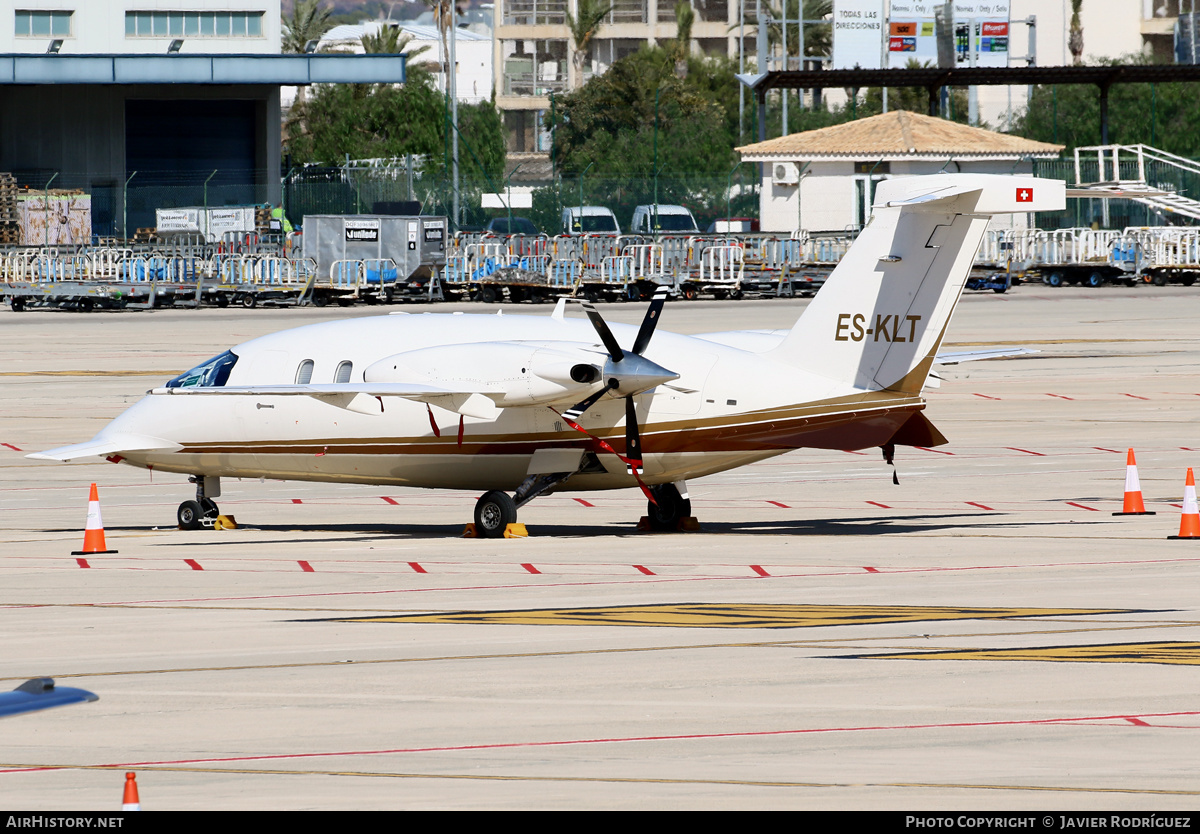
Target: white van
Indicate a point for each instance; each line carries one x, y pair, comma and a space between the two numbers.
596, 220
660, 219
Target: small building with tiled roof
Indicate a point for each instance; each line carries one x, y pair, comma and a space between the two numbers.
824, 180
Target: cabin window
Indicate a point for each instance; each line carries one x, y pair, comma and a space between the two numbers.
304, 372
212, 374
344, 369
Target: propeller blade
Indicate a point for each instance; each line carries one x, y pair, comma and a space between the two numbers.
576, 411
650, 321
633, 438
606, 336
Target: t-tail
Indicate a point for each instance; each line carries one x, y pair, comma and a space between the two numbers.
879, 319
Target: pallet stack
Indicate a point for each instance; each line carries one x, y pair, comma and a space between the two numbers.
10, 228
262, 220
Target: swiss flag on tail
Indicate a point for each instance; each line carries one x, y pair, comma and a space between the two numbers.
1024, 195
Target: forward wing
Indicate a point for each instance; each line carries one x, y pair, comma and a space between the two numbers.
108, 444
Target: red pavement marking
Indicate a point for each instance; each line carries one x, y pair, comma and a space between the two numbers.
1189, 449
1082, 507
986, 397
980, 506
1180, 506
297, 501
417, 567
870, 569
530, 567
1060, 396
1102, 449
83, 563
926, 449
1137, 722
758, 569
306, 567
10, 446
389, 500
193, 564
849, 452
1026, 451
1026, 722
585, 503
778, 504
645, 570
1134, 396
877, 504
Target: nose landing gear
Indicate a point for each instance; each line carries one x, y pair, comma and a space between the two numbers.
203, 512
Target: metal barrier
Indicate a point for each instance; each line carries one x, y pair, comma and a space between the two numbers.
648, 259
722, 265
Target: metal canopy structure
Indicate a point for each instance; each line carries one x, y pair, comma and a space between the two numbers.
934, 78
289, 70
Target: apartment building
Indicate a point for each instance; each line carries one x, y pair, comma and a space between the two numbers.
533, 48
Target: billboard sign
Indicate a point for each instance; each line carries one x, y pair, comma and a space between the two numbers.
911, 33
857, 34
986, 23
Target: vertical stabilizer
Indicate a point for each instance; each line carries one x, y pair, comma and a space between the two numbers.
880, 317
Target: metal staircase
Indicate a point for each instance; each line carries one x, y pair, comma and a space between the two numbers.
1121, 171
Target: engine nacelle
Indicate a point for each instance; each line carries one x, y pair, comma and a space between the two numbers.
510, 373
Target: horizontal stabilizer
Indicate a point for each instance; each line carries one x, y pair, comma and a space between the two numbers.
105, 445
956, 357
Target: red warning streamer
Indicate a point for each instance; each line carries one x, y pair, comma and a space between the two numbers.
606, 446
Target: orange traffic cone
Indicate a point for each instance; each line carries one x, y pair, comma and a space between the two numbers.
131, 801
1133, 489
1189, 522
93, 534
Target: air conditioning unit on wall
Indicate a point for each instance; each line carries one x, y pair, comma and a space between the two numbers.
785, 173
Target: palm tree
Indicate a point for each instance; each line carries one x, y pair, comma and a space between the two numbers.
1075, 39
389, 39
442, 15
308, 22
685, 16
583, 26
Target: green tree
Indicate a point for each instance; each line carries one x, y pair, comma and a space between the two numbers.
610, 124
1162, 115
367, 121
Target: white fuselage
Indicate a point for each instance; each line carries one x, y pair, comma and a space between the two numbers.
729, 407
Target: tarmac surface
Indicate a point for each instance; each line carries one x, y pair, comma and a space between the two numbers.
985, 635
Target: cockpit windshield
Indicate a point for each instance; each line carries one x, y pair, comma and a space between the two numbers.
212, 374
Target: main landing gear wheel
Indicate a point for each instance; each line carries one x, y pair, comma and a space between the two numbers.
671, 509
192, 515
494, 512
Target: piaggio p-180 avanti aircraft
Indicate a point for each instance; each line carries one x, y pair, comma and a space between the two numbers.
528, 405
